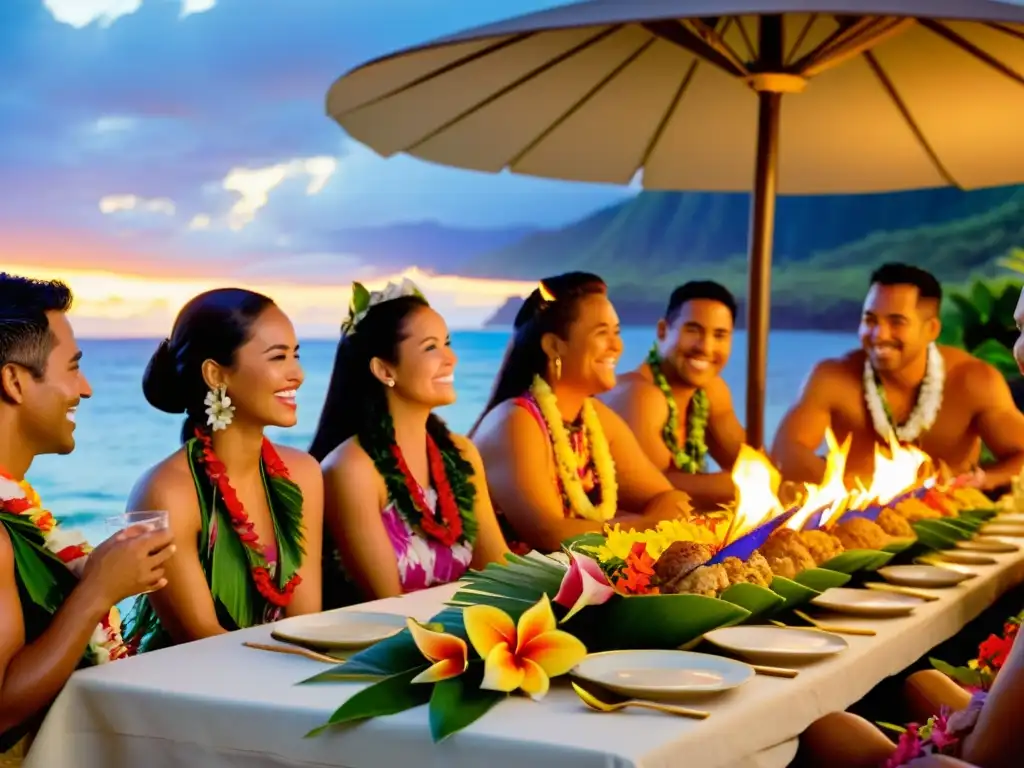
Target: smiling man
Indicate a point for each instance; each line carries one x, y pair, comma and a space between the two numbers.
56, 595
676, 402
940, 398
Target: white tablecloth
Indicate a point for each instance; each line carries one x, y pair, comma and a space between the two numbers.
218, 705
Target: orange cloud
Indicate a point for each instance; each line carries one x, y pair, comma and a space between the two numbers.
111, 304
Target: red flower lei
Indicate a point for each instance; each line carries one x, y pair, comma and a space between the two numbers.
448, 529
217, 473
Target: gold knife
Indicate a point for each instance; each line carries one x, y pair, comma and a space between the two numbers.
897, 589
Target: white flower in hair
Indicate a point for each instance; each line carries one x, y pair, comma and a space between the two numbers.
364, 300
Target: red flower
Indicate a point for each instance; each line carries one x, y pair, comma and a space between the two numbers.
241, 524
15, 506
72, 553
635, 577
994, 651
448, 529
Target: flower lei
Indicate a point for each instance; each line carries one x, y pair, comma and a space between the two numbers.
567, 462
262, 574
448, 529
689, 457
454, 518
926, 407
70, 547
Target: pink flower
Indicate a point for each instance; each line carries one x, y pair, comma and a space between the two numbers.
942, 735
908, 748
584, 584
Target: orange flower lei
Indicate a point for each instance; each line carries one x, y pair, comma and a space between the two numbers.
71, 548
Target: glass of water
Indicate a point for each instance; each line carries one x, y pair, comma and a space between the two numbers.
151, 519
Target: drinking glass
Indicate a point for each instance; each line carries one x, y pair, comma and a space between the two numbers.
152, 519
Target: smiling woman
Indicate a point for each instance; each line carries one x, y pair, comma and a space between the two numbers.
559, 462
406, 502
246, 515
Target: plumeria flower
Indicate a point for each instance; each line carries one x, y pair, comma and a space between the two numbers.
219, 409
583, 584
10, 489
524, 655
448, 653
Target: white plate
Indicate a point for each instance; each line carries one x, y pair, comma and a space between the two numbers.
340, 630
965, 558
922, 575
781, 643
985, 544
866, 602
1002, 529
1010, 518
662, 674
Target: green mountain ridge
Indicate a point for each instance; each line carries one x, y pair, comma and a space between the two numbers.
825, 247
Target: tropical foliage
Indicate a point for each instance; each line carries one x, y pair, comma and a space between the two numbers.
980, 320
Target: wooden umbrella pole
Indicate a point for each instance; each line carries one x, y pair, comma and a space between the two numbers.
762, 231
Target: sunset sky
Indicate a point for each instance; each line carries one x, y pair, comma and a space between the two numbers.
150, 149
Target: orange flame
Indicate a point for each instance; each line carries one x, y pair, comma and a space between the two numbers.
831, 495
757, 485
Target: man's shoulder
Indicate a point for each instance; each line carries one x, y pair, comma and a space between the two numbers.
967, 372
846, 367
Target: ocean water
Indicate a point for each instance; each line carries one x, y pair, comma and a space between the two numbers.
120, 435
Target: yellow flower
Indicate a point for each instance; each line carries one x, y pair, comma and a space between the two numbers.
447, 653
522, 656
619, 542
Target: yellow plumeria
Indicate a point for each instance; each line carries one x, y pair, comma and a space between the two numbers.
619, 542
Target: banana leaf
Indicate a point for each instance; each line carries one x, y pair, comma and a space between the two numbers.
793, 593
820, 579
899, 545
963, 527
854, 560
947, 534
979, 514
758, 600
652, 621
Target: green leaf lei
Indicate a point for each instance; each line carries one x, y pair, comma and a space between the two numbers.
691, 456
377, 443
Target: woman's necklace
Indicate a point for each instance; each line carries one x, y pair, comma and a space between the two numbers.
567, 462
690, 456
447, 530
926, 406
243, 527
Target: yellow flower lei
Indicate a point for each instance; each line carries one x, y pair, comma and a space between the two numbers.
567, 463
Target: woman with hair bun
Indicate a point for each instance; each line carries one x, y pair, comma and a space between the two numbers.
246, 515
406, 502
559, 462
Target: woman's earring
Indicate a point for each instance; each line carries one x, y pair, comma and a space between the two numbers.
219, 410
389, 382
558, 368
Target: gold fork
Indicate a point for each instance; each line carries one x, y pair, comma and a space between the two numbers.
611, 702
304, 652
815, 624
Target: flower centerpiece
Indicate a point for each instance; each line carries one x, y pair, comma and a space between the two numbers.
980, 672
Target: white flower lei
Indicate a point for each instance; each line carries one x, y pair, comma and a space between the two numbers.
926, 409
70, 547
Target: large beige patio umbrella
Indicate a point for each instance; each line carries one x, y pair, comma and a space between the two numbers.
773, 96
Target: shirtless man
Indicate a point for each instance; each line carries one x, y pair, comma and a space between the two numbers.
676, 402
41, 385
940, 398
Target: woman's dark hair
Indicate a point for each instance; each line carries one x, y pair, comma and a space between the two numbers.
356, 404
538, 316
212, 326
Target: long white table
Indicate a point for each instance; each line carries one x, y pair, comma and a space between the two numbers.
217, 704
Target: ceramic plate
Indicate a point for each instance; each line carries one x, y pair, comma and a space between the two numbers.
866, 602
777, 643
662, 674
985, 544
340, 630
1002, 529
1010, 518
922, 575
965, 558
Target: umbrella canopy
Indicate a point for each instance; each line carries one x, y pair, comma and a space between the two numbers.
773, 96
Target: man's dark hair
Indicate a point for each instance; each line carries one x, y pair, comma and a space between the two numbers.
896, 273
25, 335
699, 289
